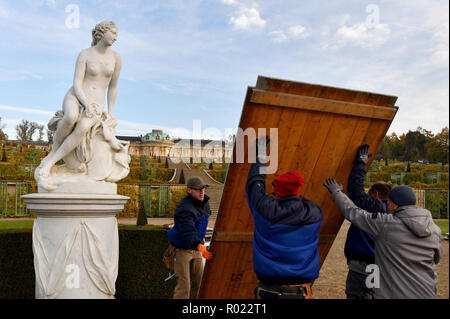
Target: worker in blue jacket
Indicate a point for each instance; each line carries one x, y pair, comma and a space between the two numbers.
285, 253
359, 245
187, 235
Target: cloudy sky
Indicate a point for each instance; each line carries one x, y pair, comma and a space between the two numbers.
192, 60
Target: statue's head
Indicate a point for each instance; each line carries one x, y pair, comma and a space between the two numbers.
100, 29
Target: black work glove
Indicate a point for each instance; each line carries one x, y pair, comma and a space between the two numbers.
259, 144
362, 156
333, 186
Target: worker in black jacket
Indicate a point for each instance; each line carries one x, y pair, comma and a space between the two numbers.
191, 222
359, 245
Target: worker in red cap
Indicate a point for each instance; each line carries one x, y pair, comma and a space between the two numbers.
288, 184
285, 253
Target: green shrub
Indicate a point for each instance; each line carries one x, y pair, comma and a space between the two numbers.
413, 178
132, 206
420, 185
148, 175
163, 174
141, 270
380, 176
219, 175
142, 216
34, 156
182, 180
4, 157
16, 267
176, 195
395, 167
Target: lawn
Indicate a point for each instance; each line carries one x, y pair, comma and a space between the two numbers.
16, 224
443, 224
23, 224
28, 224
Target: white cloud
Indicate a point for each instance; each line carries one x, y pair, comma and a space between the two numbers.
229, 1
298, 32
292, 33
25, 110
362, 36
278, 36
4, 12
18, 75
247, 18
440, 51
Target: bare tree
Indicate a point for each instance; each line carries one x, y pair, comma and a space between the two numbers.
22, 130
26, 129
3, 135
50, 135
40, 129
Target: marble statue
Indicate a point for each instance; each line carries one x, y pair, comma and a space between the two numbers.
84, 135
75, 233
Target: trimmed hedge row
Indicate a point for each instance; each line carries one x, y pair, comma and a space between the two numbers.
141, 270
16, 264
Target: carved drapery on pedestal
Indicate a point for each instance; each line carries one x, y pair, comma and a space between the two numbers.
75, 244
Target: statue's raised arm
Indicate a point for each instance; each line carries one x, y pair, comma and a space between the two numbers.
84, 135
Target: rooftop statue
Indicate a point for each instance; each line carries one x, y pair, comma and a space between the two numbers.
84, 135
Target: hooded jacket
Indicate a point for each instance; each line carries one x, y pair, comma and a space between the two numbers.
407, 248
359, 245
191, 222
286, 233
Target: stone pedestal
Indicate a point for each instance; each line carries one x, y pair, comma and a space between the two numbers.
75, 244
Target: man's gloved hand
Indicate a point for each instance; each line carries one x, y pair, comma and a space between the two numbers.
205, 253
332, 185
362, 156
260, 145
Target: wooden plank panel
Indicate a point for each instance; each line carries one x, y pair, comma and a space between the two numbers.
318, 144
237, 215
242, 237
322, 105
327, 92
327, 165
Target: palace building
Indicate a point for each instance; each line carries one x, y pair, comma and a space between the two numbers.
157, 143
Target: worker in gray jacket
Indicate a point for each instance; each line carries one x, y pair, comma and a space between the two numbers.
407, 243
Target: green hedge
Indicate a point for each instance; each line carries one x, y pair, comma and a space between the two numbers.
218, 175
141, 270
380, 176
131, 207
16, 264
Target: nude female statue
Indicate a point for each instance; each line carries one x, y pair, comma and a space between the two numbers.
97, 71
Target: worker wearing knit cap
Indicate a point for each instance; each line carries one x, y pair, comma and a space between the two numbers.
402, 196
407, 243
288, 184
285, 253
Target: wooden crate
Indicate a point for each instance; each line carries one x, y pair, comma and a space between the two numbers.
319, 131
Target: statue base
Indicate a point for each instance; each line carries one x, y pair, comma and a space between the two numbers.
75, 244
82, 186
